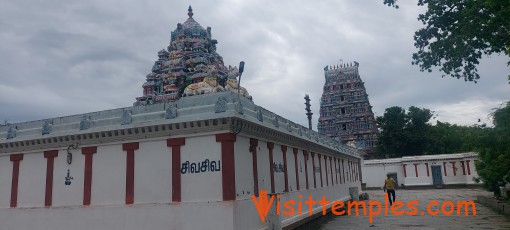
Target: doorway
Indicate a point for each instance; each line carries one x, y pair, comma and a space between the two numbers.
437, 177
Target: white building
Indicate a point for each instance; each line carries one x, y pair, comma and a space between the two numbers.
429, 170
191, 164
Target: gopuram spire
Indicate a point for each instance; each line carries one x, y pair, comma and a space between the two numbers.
190, 12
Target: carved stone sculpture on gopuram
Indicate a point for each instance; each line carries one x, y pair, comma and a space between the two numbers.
189, 66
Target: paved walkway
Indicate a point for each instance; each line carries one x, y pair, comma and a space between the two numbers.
485, 218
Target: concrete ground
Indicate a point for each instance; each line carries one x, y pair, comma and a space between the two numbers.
485, 218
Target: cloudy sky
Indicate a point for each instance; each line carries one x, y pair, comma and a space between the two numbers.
61, 58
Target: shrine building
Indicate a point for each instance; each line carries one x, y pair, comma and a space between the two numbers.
189, 154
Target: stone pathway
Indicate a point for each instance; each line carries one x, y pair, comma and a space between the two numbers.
485, 218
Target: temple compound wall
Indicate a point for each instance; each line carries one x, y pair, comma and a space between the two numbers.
191, 164
423, 171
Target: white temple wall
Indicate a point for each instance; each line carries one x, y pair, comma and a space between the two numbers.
263, 166
472, 171
307, 166
153, 172
204, 186
301, 170
279, 177
244, 174
109, 175
67, 195
32, 180
291, 168
5, 181
374, 174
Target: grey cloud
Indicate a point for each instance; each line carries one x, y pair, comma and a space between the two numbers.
94, 55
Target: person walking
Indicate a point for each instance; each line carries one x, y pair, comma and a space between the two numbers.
389, 188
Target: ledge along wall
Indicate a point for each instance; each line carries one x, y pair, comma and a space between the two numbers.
192, 164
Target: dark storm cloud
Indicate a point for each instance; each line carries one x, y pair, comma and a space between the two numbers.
61, 58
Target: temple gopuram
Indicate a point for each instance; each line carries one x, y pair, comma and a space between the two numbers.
189, 66
193, 152
345, 111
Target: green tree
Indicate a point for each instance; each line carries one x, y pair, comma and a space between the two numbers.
494, 164
417, 130
392, 140
458, 32
403, 133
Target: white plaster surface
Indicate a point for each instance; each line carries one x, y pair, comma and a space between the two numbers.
243, 168
109, 175
68, 195
5, 181
32, 180
204, 186
153, 172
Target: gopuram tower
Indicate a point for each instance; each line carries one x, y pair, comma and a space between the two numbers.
345, 111
189, 60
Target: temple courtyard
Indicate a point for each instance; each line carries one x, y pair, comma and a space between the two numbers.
485, 217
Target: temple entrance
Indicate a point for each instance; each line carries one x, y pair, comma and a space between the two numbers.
437, 177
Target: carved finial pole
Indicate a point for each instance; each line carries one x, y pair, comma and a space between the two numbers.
190, 12
308, 111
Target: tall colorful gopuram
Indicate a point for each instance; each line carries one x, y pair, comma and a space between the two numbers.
345, 111
189, 66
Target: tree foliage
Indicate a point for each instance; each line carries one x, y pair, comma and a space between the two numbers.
494, 164
403, 133
409, 133
458, 33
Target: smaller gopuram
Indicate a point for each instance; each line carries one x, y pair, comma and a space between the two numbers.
189, 66
345, 111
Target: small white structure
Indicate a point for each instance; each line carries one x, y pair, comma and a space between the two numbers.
429, 170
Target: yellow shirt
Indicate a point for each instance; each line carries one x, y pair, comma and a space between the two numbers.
389, 183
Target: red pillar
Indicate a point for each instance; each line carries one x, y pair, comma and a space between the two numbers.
130, 170
228, 178
427, 165
253, 146
444, 167
88, 152
463, 168
50, 158
285, 173
175, 144
305, 156
416, 169
405, 171
295, 150
453, 168
270, 146
468, 168
15, 158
